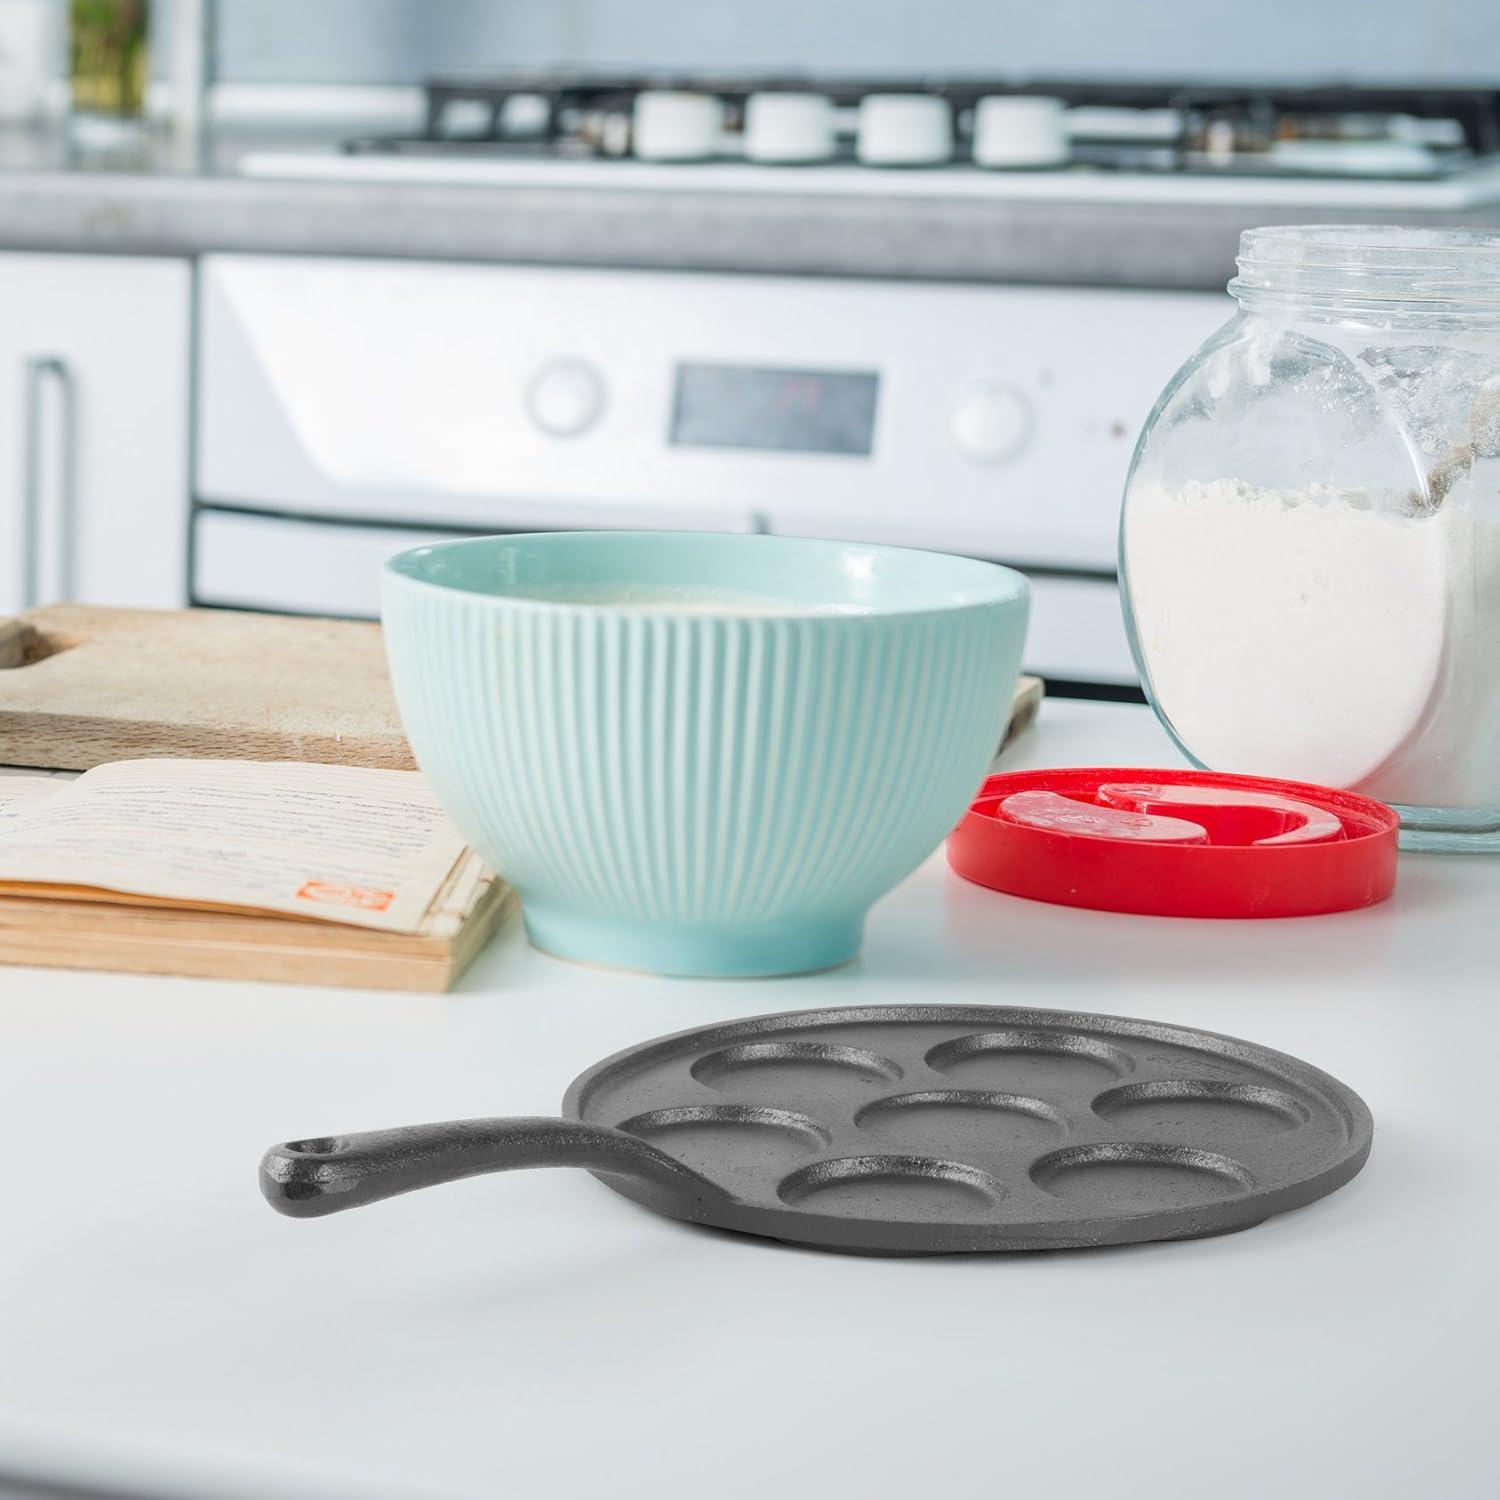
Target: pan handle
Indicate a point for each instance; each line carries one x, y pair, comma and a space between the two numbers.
323, 1175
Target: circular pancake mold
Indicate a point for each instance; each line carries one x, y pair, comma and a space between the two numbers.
905, 1130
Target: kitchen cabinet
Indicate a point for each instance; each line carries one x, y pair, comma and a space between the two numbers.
94, 354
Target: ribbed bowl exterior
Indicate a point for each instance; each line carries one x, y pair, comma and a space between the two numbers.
699, 794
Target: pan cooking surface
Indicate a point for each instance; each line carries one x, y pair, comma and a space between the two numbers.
908, 1129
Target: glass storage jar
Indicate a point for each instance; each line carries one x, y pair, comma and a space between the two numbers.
1310, 540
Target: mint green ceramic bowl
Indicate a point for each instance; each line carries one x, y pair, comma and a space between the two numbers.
701, 754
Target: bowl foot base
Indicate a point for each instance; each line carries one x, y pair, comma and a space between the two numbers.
789, 946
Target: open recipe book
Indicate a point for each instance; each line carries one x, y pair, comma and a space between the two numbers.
310, 874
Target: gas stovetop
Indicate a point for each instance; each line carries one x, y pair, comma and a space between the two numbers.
1332, 131
1392, 146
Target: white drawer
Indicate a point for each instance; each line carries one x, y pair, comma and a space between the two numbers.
1077, 632
324, 568
304, 567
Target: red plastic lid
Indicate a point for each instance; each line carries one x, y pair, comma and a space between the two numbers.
1177, 843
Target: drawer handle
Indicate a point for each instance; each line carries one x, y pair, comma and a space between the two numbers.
41, 373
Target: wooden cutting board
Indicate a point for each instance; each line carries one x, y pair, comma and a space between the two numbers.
81, 685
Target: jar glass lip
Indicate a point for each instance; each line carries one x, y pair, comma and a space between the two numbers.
1371, 265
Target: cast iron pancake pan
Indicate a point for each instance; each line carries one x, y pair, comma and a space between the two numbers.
905, 1130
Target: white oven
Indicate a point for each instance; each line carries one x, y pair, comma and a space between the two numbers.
347, 409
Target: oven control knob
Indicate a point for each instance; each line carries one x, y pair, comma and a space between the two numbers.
991, 422
566, 397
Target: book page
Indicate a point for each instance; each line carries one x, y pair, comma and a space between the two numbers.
26, 790
337, 843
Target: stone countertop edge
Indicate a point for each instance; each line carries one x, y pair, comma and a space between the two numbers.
1148, 245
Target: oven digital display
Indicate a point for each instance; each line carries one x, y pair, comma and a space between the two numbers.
779, 411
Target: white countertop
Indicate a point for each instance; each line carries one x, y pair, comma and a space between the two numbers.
535, 1335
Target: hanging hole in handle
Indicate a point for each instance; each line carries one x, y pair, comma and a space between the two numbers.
321, 1145
23, 645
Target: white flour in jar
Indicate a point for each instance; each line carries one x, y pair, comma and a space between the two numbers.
1314, 635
